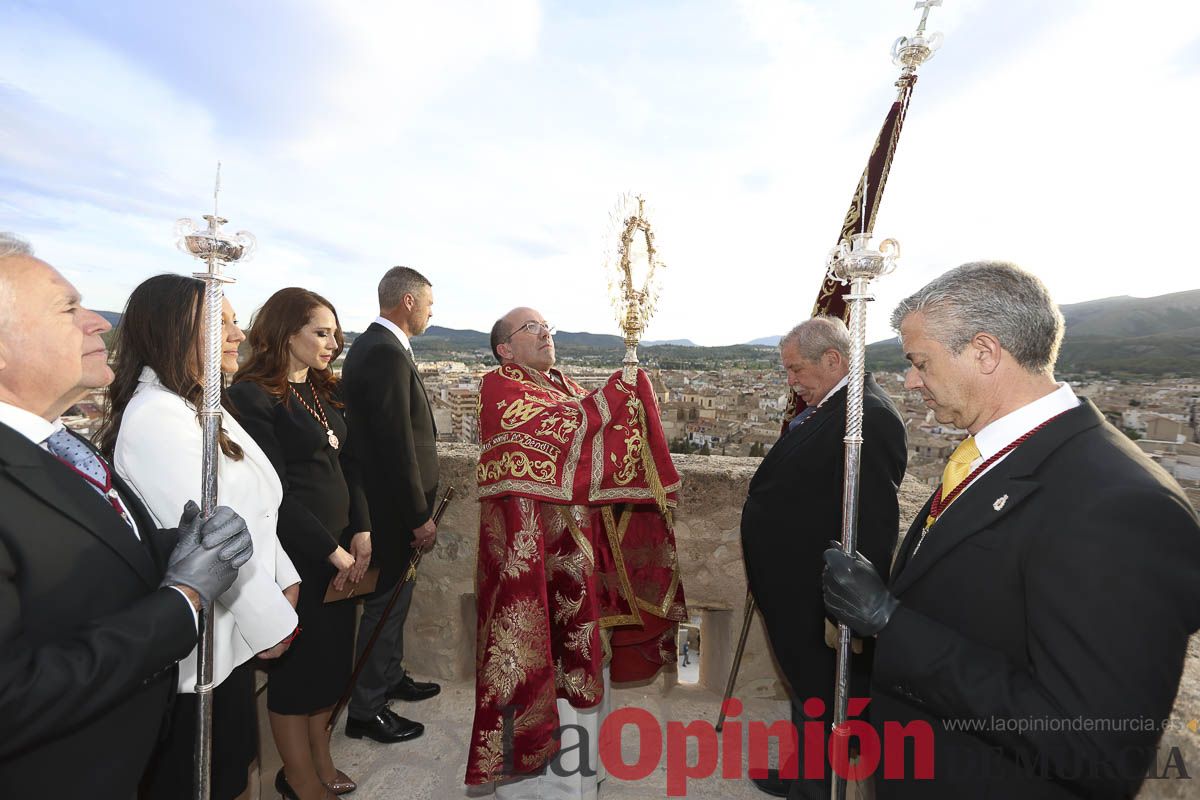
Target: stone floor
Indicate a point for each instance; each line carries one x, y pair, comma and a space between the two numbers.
432, 767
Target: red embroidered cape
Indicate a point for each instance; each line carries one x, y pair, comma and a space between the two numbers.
576, 491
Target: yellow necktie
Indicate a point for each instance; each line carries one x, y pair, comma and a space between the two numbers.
957, 469
959, 466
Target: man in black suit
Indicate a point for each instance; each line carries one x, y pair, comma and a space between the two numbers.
1039, 609
95, 605
794, 507
393, 446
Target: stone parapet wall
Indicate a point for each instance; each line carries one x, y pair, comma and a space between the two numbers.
439, 635
441, 626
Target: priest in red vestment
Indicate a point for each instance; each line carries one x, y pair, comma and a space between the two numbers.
576, 565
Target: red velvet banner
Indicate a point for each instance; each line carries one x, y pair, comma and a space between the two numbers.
864, 207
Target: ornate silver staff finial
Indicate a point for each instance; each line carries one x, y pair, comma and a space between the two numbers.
856, 264
848, 263
910, 52
216, 248
211, 244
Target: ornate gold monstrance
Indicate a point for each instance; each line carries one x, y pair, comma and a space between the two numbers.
634, 281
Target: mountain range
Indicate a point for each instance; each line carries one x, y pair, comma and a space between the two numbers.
1114, 335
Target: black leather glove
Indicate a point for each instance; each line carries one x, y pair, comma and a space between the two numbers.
209, 552
855, 594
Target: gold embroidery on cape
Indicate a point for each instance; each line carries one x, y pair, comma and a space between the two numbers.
572, 518
524, 547
537, 713
550, 492
664, 654
580, 640
655, 491
517, 465
521, 411
567, 609
634, 617
656, 488
664, 608
623, 524
553, 528
598, 445
659, 609
518, 644
629, 465
541, 755
551, 488
574, 564
523, 440
659, 554
576, 682
560, 426
493, 528
532, 379
490, 751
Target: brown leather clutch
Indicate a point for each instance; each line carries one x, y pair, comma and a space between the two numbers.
365, 586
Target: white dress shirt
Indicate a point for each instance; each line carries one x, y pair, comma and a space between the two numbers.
399, 334
1000, 433
158, 453
28, 424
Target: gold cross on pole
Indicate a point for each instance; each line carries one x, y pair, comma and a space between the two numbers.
925, 5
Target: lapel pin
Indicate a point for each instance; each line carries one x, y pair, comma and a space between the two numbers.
1000, 501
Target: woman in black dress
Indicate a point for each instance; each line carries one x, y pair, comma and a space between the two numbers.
286, 397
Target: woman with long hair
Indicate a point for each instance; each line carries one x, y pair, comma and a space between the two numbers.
153, 435
287, 397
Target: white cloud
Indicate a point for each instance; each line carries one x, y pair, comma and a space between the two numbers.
486, 144
400, 56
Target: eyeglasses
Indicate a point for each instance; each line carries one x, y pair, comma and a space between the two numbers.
534, 328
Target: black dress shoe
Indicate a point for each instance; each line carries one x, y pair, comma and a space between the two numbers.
386, 727
412, 691
773, 784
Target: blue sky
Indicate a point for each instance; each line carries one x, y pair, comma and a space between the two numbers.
487, 143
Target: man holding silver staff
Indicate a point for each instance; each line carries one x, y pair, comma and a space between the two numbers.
96, 604
1038, 612
794, 508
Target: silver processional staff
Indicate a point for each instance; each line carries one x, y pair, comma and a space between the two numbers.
216, 249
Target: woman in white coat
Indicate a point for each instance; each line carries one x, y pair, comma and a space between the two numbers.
153, 436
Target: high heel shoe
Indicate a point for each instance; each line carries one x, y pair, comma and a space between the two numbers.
284, 789
342, 784
288, 793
